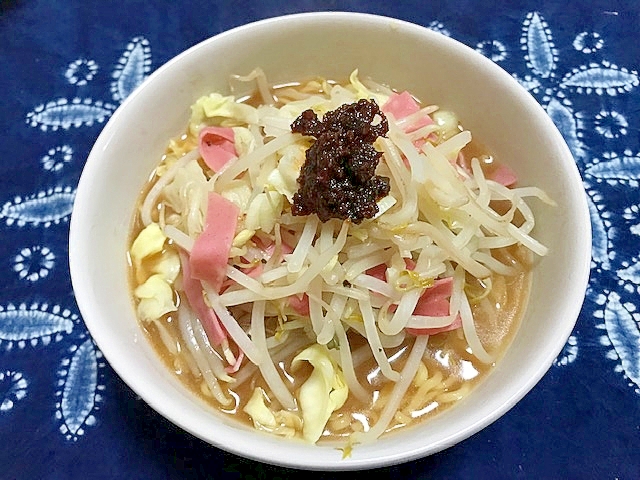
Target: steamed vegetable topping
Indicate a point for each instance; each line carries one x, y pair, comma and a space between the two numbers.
324, 392
290, 243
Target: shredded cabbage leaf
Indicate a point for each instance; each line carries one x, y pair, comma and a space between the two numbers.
156, 298
282, 422
148, 242
225, 108
324, 392
187, 196
264, 211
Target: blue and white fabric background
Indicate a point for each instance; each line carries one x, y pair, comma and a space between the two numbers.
65, 66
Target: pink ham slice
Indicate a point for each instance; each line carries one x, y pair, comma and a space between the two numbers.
434, 302
503, 175
401, 105
210, 252
217, 146
299, 304
500, 173
193, 291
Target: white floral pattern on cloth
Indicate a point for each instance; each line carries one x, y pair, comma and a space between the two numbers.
64, 113
46, 207
13, 388
555, 90
588, 42
34, 263
81, 71
133, 67
30, 325
493, 49
78, 393
80, 390
57, 157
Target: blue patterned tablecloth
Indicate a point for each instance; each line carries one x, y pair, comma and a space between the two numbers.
65, 66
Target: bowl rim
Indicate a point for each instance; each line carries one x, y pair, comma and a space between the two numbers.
166, 408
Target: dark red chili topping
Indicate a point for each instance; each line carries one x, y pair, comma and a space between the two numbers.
338, 177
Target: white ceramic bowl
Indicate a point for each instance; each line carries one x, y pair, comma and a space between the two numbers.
438, 70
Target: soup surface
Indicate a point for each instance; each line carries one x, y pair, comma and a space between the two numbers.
353, 326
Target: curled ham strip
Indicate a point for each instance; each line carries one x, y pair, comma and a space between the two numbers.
210, 252
284, 250
401, 105
236, 366
500, 173
434, 302
217, 146
300, 304
193, 291
503, 175
379, 272
208, 263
